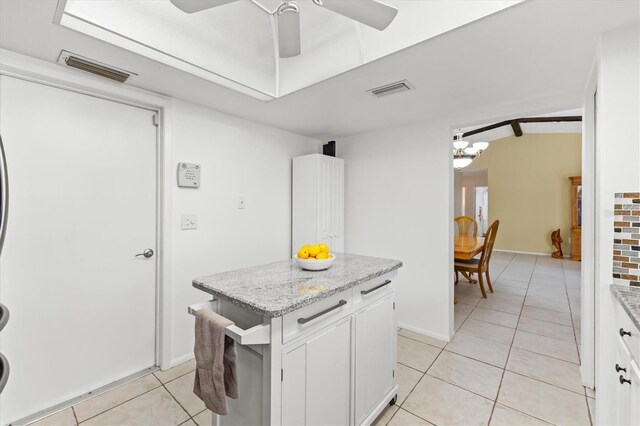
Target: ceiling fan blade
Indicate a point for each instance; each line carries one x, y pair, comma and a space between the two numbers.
289, 33
191, 6
369, 12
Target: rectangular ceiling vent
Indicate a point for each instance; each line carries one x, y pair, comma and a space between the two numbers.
391, 89
94, 67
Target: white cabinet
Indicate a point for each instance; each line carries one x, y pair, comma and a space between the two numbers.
341, 370
634, 393
318, 201
316, 378
625, 375
375, 351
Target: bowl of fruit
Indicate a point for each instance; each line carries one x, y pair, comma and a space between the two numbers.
314, 257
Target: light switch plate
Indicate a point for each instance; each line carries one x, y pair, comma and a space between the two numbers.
189, 221
188, 175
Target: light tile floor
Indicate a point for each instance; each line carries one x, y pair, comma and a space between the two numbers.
514, 361
161, 398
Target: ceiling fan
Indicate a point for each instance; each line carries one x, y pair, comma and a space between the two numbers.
372, 13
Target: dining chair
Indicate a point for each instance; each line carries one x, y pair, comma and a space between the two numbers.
481, 266
464, 224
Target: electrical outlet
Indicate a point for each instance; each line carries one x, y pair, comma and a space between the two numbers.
241, 203
189, 221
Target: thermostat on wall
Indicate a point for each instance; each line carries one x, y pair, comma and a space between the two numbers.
188, 175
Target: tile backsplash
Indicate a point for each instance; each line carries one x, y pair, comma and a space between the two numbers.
626, 239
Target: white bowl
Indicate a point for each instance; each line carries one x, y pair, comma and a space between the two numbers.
315, 265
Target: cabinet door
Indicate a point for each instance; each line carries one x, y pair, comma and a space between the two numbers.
325, 172
337, 205
317, 378
622, 390
634, 394
375, 355
294, 382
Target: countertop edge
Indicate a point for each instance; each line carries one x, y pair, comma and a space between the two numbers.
633, 312
315, 298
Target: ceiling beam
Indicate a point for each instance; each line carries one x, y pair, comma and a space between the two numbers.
569, 118
517, 130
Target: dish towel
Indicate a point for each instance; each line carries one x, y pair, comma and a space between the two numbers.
215, 361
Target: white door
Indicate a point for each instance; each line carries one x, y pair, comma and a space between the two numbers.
482, 209
82, 179
375, 355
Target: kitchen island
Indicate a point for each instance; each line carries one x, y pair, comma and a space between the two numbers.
314, 347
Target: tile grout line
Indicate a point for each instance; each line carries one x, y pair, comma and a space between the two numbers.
74, 415
495, 402
117, 405
176, 400
586, 398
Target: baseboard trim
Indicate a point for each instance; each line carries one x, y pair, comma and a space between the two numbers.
534, 253
428, 333
181, 359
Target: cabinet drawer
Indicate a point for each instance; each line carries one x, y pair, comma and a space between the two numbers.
315, 316
372, 290
624, 325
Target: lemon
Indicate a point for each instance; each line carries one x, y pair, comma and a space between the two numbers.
305, 247
303, 254
322, 255
314, 250
323, 248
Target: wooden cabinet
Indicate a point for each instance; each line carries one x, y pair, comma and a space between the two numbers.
374, 355
576, 217
318, 201
316, 378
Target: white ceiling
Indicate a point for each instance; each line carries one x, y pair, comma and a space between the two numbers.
235, 44
534, 56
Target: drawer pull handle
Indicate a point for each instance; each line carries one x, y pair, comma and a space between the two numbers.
619, 369
319, 314
623, 380
365, 292
624, 333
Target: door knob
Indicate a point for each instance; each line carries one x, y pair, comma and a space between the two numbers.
623, 380
146, 253
623, 332
619, 369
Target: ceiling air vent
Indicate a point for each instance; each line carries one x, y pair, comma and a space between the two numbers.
391, 89
89, 65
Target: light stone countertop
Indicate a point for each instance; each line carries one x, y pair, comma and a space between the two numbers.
278, 288
629, 298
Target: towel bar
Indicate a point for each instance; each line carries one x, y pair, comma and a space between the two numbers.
257, 335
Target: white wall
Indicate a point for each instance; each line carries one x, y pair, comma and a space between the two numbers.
238, 158
398, 201
617, 170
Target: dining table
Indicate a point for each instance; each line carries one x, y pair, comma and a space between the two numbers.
466, 247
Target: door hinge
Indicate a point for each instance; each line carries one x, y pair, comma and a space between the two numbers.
394, 306
281, 375
156, 119
393, 373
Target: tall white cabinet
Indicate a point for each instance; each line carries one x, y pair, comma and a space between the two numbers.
318, 201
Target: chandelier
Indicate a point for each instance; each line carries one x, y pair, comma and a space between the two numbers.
463, 154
